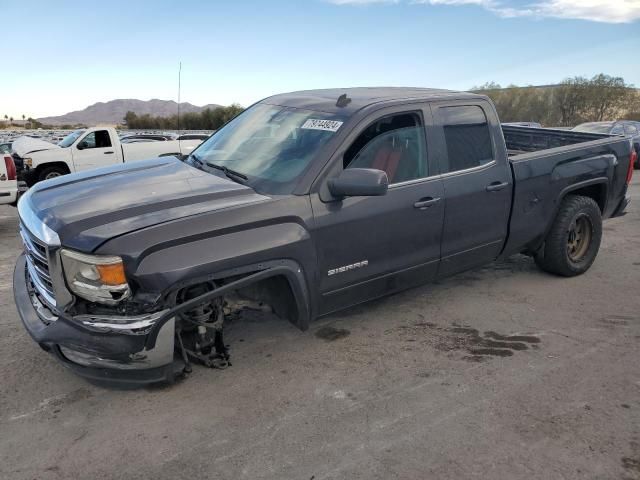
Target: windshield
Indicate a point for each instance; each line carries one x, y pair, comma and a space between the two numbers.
271, 145
604, 127
69, 139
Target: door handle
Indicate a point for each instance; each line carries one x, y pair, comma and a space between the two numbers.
495, 186
108, 153
426, 202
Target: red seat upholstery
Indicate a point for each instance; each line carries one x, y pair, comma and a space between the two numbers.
387, 159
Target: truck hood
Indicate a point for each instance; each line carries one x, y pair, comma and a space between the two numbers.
25, 145
86, 209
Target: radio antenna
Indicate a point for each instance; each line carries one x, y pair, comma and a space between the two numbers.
179, 78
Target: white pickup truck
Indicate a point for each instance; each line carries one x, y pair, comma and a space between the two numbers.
86, 149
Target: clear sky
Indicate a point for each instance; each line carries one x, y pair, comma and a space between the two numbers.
62, 56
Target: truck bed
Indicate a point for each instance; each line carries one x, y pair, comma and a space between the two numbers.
546, 162
521, 140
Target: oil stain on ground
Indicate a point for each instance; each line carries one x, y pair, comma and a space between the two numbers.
631, 463
463, 338
331, 333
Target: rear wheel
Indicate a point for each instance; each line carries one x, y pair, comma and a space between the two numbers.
51, 172
573, 242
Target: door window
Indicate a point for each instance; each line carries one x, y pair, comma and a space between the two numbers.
467, 136
97, 139
630, 129
394, 144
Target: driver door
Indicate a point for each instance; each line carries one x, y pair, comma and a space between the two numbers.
94, 150
371, 246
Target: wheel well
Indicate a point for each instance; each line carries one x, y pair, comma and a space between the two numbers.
274, 291
598, 192
61, 165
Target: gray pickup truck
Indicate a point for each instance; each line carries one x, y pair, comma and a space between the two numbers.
308, 202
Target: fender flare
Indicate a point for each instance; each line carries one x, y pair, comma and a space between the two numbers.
572, 188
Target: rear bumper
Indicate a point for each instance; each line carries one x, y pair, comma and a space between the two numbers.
12, 195
97, 355
8, 197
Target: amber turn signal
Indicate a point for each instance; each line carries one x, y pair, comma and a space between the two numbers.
112, 274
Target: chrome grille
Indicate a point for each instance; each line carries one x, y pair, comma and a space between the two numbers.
37, 254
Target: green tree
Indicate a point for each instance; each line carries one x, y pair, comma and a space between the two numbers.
574, 100
606, 97
207, 119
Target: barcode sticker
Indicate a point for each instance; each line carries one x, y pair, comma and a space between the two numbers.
326, 125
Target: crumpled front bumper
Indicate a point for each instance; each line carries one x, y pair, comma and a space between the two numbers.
119, 358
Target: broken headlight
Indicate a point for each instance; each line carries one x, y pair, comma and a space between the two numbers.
97, 278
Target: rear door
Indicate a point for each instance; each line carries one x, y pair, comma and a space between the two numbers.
372, 246
95, 149
477, 184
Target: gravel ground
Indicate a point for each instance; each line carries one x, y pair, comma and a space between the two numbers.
409, 387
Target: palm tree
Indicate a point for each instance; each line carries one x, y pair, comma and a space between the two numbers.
10, 120
23, 119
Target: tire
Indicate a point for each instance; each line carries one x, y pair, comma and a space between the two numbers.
572, 244
51, 172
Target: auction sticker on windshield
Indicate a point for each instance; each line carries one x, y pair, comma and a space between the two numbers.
326, 125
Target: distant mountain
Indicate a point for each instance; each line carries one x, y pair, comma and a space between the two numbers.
113, 112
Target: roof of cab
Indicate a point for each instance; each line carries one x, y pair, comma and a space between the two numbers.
325, 100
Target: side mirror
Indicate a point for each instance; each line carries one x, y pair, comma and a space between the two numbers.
82, 145
359, 182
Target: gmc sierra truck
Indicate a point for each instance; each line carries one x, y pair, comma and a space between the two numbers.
309, 202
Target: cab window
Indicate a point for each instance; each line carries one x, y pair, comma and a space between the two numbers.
395, 144
467, 137
96, 139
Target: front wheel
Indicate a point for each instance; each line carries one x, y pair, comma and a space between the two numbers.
51, 172
573, 242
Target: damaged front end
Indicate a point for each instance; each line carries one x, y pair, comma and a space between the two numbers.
123, 349
82, 308
133, 348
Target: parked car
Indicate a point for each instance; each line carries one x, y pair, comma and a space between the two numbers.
628, 128
90, 148
137, 138
310, 202
194, 136
523, 124
8, 180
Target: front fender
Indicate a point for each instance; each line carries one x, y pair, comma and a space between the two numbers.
166, 267
283, 248
45, 157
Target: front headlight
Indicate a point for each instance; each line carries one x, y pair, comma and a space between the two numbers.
28, 162
97, 278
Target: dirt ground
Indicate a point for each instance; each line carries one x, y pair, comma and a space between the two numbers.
420, 385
